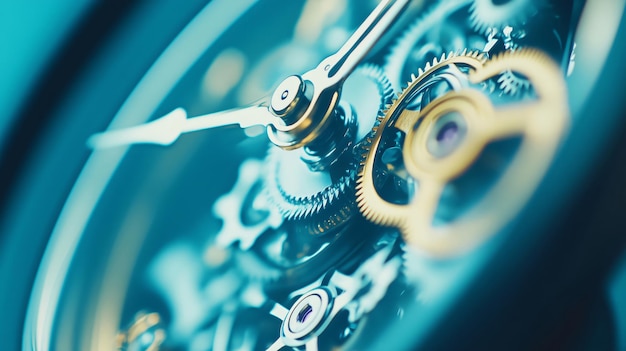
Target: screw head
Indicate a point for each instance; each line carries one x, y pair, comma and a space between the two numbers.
287, 95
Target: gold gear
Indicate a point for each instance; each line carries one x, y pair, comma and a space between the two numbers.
540, 123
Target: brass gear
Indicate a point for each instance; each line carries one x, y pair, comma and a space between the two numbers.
365, 182
540, 124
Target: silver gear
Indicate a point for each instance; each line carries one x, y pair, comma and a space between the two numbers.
232, 207
370, 281
484, 14
357, 293
367, 90
327, 201
510, 83
300, 194
408, 47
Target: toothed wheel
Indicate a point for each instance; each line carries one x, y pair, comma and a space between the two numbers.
455, 154
513, 84
329, 311
324, 200
442, 75
486, 14
441, 29
321, 201
245, 211
509, 82
219, 254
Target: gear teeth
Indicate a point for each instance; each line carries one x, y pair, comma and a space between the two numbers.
513, 85
484, 14
430, 16
335, 204
540, 70
229, 206
508, 82
367, 199
303, 208
478, 26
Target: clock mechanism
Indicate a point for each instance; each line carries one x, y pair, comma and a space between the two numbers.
311, 175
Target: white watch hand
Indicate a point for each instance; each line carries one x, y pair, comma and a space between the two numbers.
167, 129
300, 108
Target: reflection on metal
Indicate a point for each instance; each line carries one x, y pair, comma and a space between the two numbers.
311, 119
316, 311
167, 129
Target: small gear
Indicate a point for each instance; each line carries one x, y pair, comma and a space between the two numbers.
367, 91
335, 298
370, 281
487, 14
509, 82
442, 138
441, 29
324, 200
300, 194
245, 210
512, 84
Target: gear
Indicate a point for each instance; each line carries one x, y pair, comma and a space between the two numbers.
370, 281
449, 71
512, 84
367, 91
443, 28
285, 259
509, 83
245, 210
324, 200
487, 14
441, 141
331, 307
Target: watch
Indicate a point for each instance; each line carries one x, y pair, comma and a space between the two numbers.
317, 175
